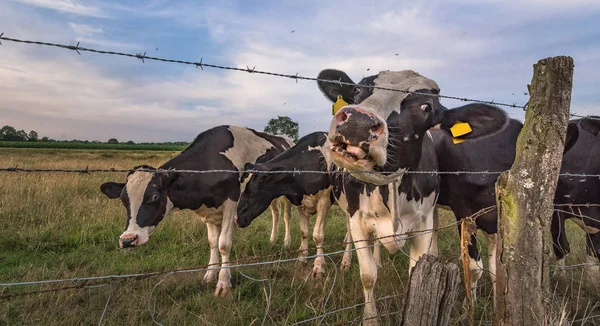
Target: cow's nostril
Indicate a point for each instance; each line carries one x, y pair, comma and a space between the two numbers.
376, 126
341, 117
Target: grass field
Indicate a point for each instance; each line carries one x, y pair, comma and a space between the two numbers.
59, 225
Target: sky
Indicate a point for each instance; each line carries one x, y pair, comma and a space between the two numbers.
476, 49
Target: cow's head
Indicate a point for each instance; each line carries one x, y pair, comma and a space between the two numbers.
258, 191
382, 130
144, 195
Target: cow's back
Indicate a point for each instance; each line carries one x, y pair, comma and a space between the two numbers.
220, 148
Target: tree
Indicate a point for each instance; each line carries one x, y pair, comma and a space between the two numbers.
45, 138
130, 142
33, 136
22, 135
8, 133
113, 141
283, 125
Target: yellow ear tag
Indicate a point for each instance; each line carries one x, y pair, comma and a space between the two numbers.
338, 105
460, 129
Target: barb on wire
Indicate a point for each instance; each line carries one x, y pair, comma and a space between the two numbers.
253, 70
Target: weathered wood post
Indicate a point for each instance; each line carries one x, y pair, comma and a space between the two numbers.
525, 195
432, 292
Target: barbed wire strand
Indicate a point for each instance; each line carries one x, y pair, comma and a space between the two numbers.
167, 171
253, 70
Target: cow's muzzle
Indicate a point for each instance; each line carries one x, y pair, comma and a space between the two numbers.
354, 131
128, 241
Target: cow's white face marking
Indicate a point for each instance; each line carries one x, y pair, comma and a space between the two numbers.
136, 186
245, 182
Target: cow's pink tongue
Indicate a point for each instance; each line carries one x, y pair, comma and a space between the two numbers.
356, 151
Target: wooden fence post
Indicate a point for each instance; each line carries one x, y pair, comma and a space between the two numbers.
525, 195
432, 291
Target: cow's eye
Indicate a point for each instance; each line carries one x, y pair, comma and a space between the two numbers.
425, 108
154, 198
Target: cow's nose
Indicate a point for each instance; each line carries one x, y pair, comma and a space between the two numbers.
358, 126
128, 242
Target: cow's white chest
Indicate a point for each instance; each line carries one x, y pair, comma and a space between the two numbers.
393, 225
210, 214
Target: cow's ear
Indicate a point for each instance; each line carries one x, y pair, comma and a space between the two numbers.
472, 121
572, 136
333, 90
112, 190
591, 125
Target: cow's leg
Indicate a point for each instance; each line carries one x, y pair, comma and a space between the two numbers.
368, 269
304, 226
475, 267
275, 212
377, 253
323, 206
213, 262
424, 243
225, 241
347, 258
560, 244
492, 243
287, 215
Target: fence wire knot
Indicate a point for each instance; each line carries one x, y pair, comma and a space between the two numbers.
74, 48
141, 56
199, 64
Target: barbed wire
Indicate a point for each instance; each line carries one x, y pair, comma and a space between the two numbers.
87, 170
252, 70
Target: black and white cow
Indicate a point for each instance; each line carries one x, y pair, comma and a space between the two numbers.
149, 197
583, 158
378, 137
310, 192
467, 194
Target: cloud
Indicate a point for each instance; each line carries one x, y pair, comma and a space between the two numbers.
481, 51
67, 6
86, 30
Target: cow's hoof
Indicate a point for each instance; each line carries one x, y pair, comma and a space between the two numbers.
318, 271
287, 242
222, 289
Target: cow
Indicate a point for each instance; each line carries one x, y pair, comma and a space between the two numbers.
583, 158
379, 136
148, 197
310, 192
467, 194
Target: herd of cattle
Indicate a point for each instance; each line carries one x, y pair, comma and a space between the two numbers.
373, 163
